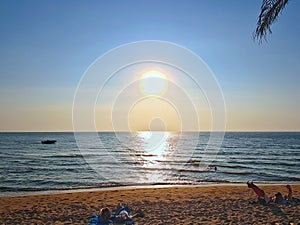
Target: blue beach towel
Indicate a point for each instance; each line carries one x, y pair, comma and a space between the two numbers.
95, 220
123, 222
120, 221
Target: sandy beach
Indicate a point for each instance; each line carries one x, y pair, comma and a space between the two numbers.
222, 204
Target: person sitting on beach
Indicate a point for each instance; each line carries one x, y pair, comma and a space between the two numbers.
278, 198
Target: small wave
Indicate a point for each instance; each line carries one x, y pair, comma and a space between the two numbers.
230, 147
65, 156
144, 155
232, 166
237, 172
270, 162
62, 188
294, 147
218, 181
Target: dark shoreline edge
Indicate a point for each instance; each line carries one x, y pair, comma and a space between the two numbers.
133, 186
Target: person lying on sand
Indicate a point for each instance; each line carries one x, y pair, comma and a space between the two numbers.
278, 198
262, 197
123, 212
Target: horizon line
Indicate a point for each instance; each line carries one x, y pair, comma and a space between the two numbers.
126, 131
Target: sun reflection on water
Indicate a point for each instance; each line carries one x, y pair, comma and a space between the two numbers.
160, 155
155, 145
157, 148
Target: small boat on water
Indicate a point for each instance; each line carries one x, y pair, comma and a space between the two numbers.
48, 142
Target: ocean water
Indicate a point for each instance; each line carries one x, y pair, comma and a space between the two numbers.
144, 158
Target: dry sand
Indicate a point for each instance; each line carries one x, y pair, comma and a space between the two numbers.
172, 205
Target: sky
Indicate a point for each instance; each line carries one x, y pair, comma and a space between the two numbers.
46, 47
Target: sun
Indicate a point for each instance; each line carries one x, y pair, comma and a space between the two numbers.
153, 83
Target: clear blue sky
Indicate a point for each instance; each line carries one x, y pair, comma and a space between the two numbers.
47, 45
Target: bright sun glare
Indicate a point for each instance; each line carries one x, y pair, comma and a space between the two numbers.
156, 144
153, 83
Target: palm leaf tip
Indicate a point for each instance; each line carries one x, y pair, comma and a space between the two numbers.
270, 10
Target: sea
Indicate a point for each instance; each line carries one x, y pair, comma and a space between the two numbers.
84, 161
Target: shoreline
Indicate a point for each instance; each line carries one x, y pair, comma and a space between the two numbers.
202, 204
134, 186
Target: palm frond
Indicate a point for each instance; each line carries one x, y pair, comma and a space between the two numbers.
270, 10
